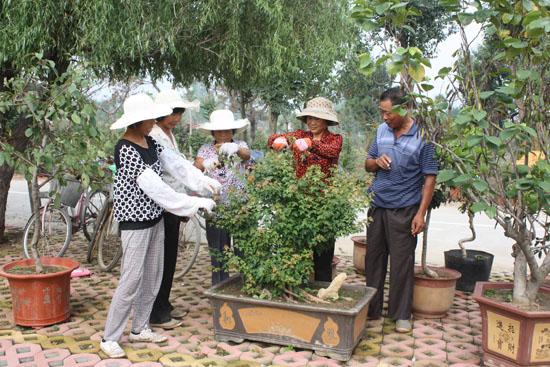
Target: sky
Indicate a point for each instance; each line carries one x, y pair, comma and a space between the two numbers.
444, 55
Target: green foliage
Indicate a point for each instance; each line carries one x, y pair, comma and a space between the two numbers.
191, 143
280, 220
358, 111
495, 148
411, 24
63, 135
273, 51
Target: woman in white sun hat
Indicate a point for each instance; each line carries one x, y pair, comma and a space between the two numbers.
140, 197
316, 146
222, 126
163, 314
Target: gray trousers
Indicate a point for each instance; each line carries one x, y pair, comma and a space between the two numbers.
140, 277
389, 234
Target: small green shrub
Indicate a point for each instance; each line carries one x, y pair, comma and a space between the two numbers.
280, 220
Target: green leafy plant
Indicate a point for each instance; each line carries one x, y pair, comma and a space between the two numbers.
62, 134
495, 148
280, 220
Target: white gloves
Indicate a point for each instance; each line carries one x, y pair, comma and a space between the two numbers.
210, 164
229, 148
175, 202
211, 185
303, 144
206, 204
279, 143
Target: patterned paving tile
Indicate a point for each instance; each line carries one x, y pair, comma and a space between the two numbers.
452, 341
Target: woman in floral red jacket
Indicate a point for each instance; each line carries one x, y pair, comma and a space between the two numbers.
316, 146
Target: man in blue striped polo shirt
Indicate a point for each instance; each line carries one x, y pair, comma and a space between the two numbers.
405, 171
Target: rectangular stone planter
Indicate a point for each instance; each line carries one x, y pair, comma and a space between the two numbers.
330, 332
512, 337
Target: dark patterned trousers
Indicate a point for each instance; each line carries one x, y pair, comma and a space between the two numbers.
389, 235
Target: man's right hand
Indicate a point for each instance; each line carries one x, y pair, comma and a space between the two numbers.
384, 162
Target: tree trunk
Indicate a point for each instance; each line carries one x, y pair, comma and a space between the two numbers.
20, 142
6, 174
35, 204
253, 127
520, 277
468, 239
242, 108
429, 272
273, 117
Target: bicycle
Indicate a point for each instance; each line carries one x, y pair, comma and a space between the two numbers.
59, 224
106, 238
109, 246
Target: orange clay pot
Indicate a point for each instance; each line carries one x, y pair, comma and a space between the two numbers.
40, 299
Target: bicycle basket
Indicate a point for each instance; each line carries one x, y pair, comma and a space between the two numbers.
70, 193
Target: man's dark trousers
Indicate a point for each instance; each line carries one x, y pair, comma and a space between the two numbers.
162, 307
389, 233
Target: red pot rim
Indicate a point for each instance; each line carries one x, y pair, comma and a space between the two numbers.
67, 263
481, 299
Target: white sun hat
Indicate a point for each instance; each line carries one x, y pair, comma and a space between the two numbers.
224, 120
319, 107
140, 107
172, 99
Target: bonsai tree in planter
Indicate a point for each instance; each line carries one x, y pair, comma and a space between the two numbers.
502, 118
277, 223
280, 220
474, 265
491, 130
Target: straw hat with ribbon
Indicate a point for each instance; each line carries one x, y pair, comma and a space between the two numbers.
319, 107
172, 99
140, 107
224, 120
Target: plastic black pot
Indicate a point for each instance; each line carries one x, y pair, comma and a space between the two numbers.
474, 268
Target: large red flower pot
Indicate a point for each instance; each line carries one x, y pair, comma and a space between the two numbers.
40, 299
512, 336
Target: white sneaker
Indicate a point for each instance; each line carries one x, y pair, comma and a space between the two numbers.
146, 335
112, 349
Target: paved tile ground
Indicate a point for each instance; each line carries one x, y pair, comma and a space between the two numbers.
453, 341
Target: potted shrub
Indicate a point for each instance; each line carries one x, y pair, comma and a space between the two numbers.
492, 120
473, 265
276, 225
434, 287
60, 141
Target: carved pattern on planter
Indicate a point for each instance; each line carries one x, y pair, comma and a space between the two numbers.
540, 351
330, 333
503, 334
227, 321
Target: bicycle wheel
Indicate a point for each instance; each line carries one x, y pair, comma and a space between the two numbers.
107, 240
188, 246
54, 236
92, 208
